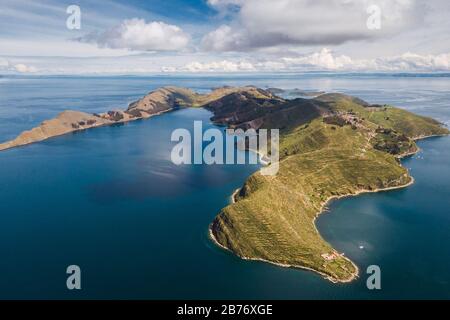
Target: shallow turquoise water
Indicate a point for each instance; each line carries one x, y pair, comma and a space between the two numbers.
110, 201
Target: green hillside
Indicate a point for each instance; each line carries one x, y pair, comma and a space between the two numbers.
336, 146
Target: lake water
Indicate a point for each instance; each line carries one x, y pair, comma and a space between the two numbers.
110, 200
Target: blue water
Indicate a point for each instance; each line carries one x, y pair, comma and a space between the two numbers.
110, 200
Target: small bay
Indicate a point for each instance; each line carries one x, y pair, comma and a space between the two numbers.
111, 201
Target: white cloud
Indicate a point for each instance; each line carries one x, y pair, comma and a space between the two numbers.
23, 68
325, 60
136, 34
6, 65
218, 3
410, 61
52, 48
218, 66
268, 23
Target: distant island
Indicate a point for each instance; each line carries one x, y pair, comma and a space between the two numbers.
331, 145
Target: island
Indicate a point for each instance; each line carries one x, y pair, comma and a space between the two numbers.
331, 146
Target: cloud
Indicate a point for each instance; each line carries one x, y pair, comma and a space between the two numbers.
5, 65
216, 66
223, 3
23, 68
268, 23
325, 60
410, 61
322, 60
138, 35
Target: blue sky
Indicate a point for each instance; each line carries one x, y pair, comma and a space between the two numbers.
136, 36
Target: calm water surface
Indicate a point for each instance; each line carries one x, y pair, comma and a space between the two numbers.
110, 200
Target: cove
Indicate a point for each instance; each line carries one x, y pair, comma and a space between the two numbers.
109, 201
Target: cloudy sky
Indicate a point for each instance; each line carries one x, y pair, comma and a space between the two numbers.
135, 37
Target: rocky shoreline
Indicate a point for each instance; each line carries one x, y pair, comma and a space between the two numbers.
69, 121
322, 210
266, 220
156, 102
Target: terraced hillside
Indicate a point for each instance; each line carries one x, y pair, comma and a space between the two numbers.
341, 146
330, 146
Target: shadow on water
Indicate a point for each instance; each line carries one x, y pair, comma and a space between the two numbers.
110, 201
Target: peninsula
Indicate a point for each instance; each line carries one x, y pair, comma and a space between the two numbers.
331, 146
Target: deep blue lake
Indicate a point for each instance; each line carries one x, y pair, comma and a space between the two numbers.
111, 201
